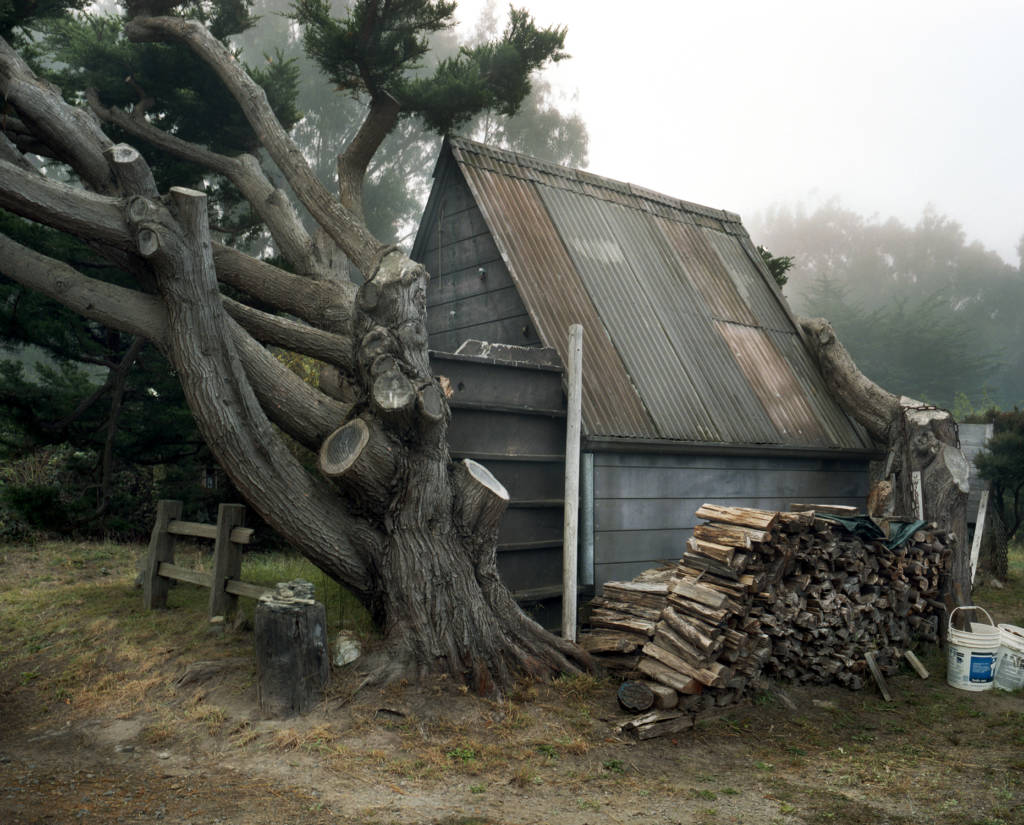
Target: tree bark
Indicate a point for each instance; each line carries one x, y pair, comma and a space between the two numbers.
917, 438
408, 531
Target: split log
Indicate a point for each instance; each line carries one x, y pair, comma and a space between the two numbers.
667, 676
731, 535
740, 516
657, 723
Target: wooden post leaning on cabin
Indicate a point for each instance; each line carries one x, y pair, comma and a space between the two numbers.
161, 549
227, 560
570, 522
292, 662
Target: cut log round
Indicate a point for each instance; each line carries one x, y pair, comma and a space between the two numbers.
481, 500
635, 696
360, 458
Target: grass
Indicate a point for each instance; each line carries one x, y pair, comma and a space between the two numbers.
73, 633
76, 643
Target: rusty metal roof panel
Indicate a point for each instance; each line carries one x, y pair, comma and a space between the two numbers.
706, 271
693, 371
555, 298
776, 385
749, 281
595, 242
840, 430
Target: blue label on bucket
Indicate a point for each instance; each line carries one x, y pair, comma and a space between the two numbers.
981, 667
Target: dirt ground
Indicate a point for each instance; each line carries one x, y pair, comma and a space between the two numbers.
107, 715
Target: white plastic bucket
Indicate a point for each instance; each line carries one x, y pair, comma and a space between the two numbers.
971, 656
1009, 673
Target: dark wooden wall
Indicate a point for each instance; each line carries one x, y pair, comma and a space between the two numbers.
644, 504
511, 418
470, 294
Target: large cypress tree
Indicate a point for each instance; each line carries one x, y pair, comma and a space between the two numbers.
389, 515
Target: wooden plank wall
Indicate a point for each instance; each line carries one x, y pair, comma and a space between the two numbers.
511, 418
471, 294
644, 504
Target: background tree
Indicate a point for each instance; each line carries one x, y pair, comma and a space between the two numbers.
389, 514
1002, 464
922, 311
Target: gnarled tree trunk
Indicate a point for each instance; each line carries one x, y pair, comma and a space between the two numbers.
389, 514
917, 438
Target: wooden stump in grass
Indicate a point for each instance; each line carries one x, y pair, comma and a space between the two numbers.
292, 661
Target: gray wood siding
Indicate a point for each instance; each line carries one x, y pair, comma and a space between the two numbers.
470, 293
644, 504
512, 420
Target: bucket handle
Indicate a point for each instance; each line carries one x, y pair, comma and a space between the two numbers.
970, 607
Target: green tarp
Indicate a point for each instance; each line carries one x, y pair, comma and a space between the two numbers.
862, 526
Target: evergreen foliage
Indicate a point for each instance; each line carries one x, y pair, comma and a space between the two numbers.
778, 265
366, 53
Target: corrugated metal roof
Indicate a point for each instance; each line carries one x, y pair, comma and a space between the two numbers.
686, 338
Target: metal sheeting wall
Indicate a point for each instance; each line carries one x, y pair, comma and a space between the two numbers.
512, 420
644, 504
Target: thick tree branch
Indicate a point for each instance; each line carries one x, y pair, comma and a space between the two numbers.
302, 411
354, 161
324, 305
347, 230
201, 347
72, 134
873, 407
114, 306
71, 209
270, 203
305, 340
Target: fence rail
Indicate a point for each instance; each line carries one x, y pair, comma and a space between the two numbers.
229, 537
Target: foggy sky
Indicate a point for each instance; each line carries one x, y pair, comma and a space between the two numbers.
890, 105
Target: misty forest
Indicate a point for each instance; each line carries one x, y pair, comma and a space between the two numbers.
924, 311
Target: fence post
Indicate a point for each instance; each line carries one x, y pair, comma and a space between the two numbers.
161, 549
227, 560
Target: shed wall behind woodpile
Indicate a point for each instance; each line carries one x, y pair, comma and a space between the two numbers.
644, 503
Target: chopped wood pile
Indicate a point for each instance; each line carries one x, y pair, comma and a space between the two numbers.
760, 594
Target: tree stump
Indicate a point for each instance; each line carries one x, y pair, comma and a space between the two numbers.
292, 661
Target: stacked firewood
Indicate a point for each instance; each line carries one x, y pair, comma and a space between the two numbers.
761, 593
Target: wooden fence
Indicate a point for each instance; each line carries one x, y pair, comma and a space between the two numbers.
228, 535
